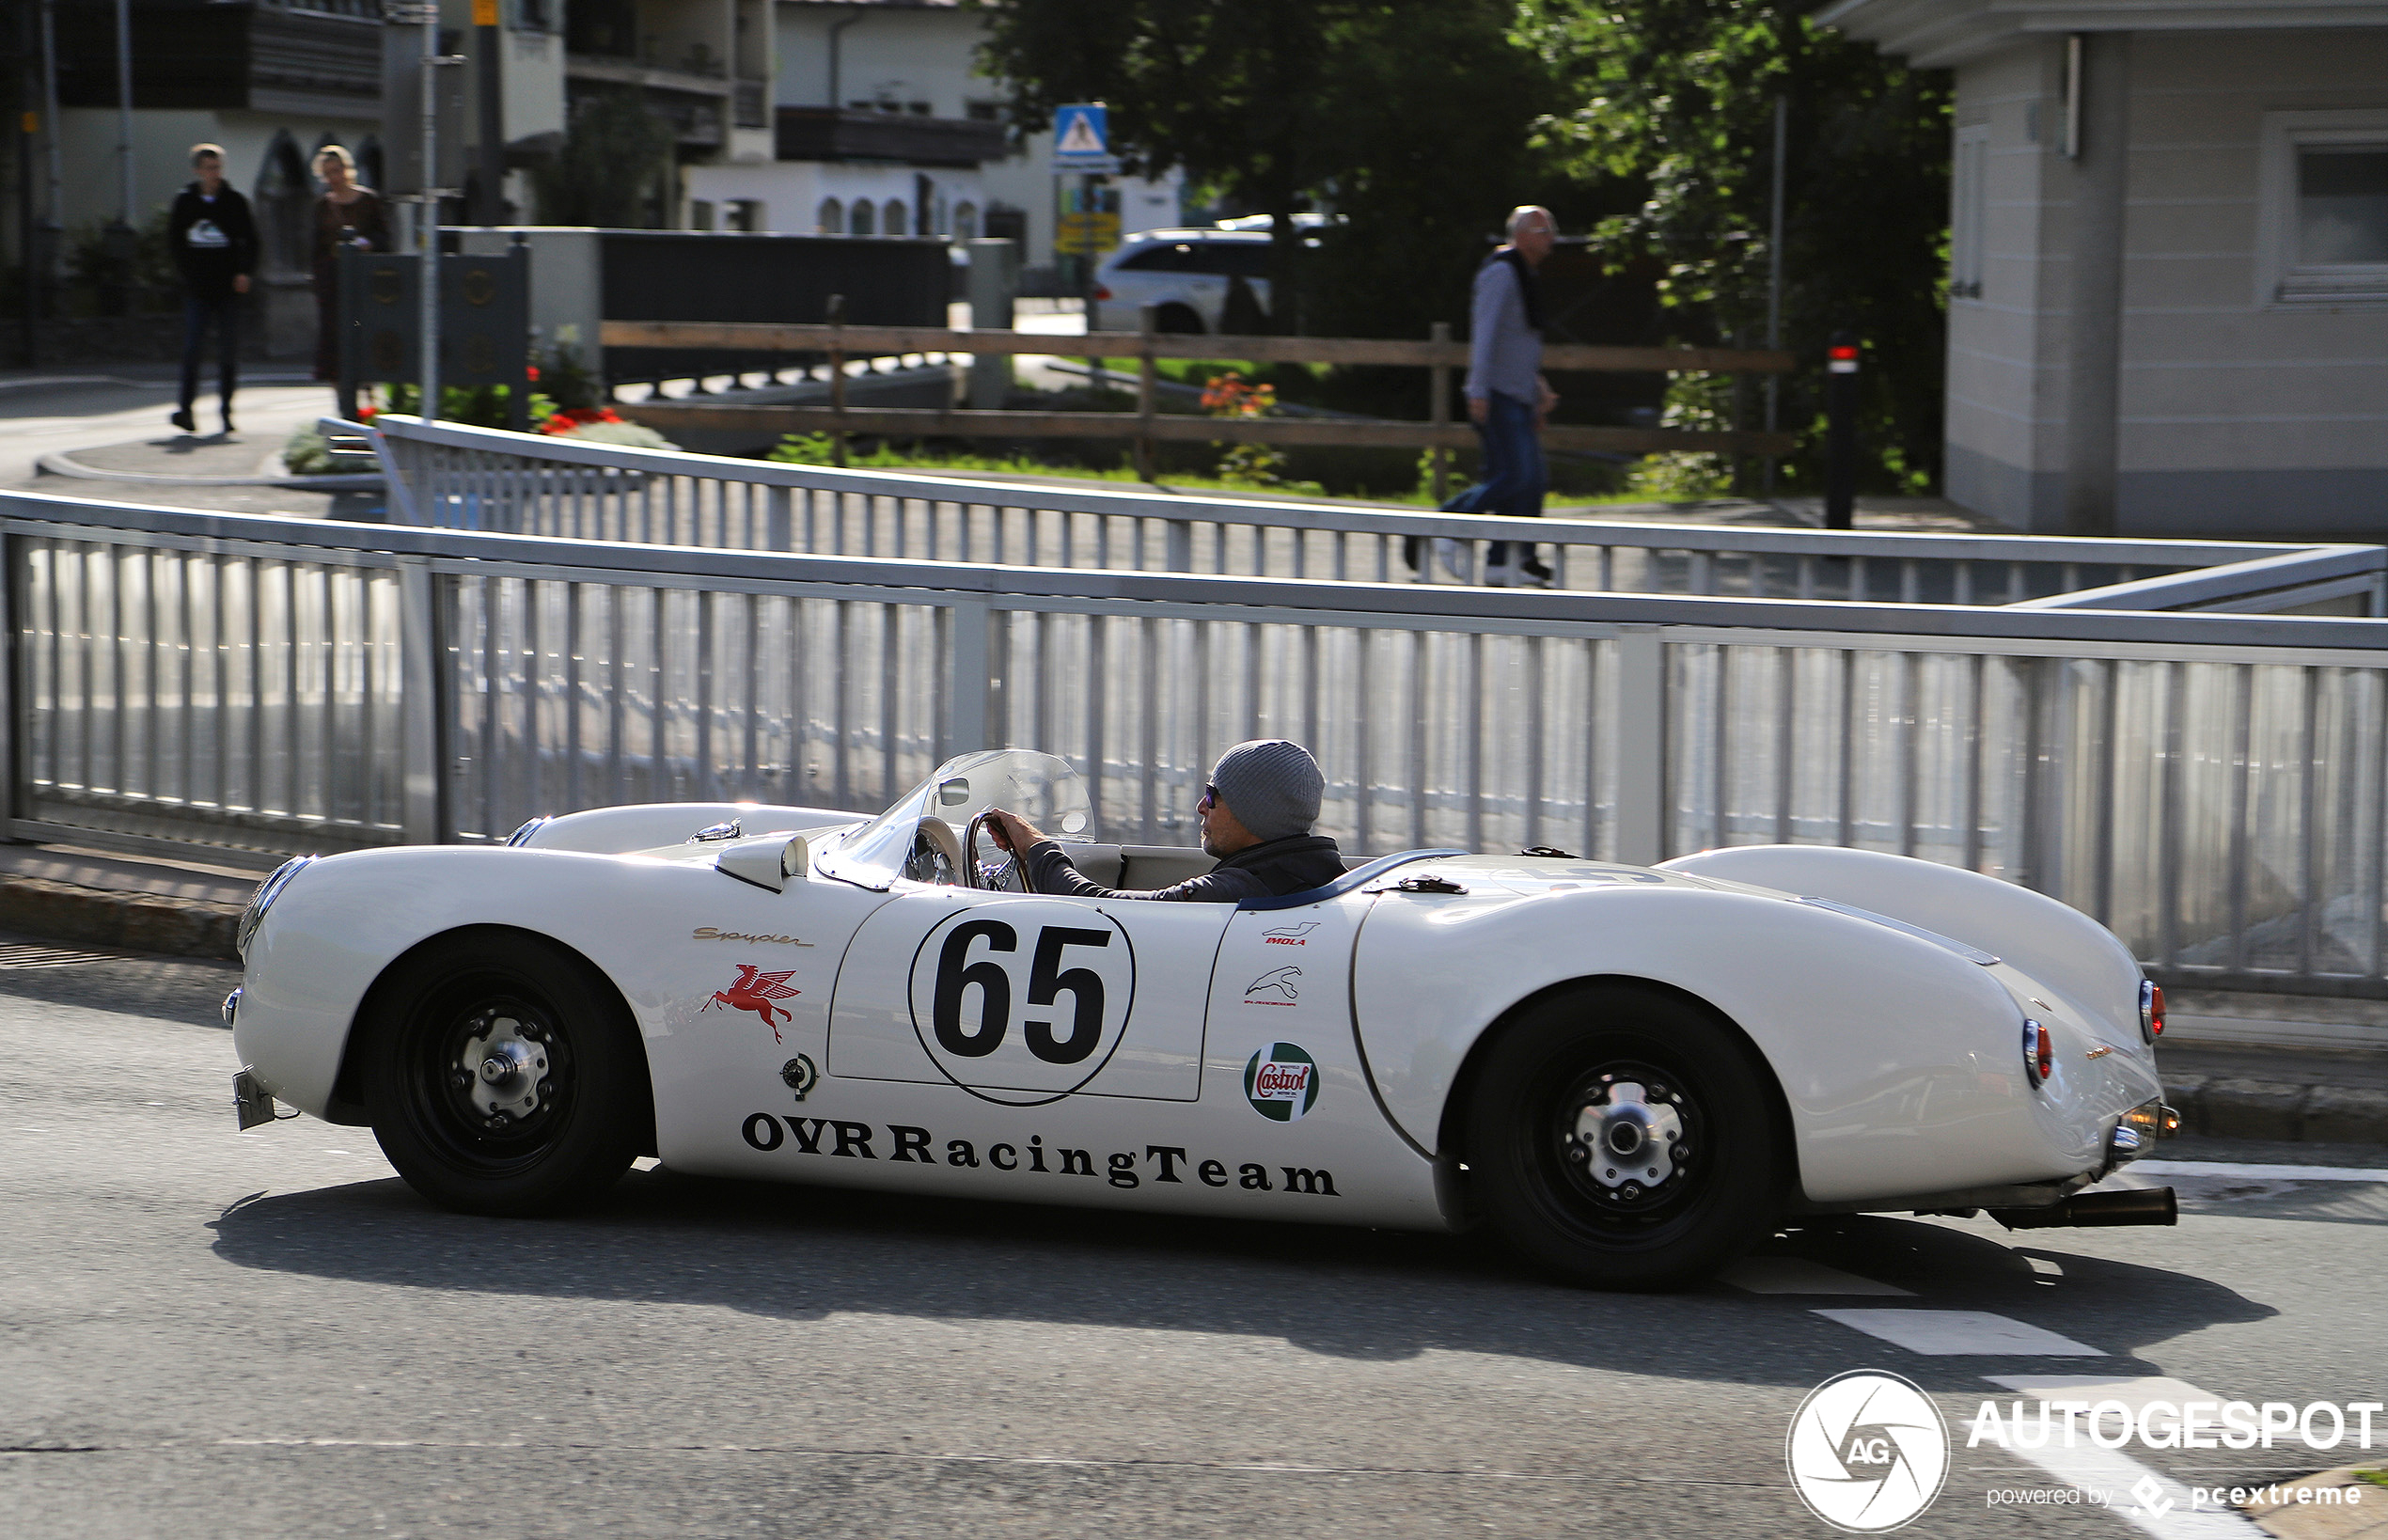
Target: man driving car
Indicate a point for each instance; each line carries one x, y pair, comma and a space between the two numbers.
1256, 812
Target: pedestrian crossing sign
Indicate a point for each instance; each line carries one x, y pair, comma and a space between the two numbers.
1082, 139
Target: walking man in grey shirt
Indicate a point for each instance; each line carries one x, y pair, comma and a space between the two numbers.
1508, 398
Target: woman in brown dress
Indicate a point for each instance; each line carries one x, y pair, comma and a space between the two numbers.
346, 215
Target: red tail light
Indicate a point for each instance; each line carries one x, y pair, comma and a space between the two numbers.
1101, 293
2040, 1052
2151, 1010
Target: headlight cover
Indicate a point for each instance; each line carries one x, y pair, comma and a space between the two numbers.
262, 900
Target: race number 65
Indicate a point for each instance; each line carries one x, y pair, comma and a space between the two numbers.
1071, 1008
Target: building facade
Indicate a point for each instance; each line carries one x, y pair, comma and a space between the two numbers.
2168, 285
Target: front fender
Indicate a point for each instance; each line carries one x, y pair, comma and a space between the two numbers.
345, 919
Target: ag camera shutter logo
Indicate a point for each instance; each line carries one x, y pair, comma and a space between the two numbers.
1281, 1082
1867, 1451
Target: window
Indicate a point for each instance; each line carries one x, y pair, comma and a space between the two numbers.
1232, 259
744, 214
831, 220
1159, 259
966, 221
866, 218
2324, 232
1969, 211
699, 214
895, 225
983, 111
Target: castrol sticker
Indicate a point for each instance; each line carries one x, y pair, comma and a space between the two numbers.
1281, 1082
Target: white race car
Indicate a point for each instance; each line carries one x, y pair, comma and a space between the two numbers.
1631, 1073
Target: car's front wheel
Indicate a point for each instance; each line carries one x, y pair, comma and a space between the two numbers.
503, 1076
1624, 1138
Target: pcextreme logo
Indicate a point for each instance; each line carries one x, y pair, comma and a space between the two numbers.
1868, 1451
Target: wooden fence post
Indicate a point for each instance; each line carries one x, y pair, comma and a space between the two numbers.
1440, 412
1148, 322
837, 379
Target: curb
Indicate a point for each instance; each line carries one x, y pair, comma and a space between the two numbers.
2237, 1107
57, 462
127, 921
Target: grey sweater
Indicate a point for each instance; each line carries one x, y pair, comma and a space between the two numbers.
1294, 864
1505, 354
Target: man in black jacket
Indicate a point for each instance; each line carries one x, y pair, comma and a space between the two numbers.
214, 245
1257, 813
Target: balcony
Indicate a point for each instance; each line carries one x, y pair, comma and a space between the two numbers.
623, 71
830, 133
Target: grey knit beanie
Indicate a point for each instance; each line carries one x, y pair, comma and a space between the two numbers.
1272, 786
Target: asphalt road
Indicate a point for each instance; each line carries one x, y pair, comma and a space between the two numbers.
204, 1332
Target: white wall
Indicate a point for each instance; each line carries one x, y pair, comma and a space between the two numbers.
162, 142
2237, 416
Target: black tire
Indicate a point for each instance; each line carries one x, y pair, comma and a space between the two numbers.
1178, 320
1557, 1090
550, 1133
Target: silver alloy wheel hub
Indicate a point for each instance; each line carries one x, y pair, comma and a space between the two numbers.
507, 1064
1629, 1135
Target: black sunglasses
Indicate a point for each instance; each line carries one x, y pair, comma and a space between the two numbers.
1210, 799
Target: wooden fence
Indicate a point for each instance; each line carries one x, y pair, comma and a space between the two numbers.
1147, 426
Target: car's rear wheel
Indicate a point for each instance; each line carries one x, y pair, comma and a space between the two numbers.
1624, 1138
503, 1076
1178, 320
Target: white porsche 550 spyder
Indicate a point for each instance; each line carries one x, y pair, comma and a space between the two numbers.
1630, 1073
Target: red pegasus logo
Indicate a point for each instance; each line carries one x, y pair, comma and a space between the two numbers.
754, 990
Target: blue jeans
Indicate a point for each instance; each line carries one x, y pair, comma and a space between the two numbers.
224, 315
1514, 475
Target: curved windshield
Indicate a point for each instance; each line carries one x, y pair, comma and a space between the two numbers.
1041, 788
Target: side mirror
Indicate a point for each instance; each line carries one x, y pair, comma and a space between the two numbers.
766, 860
953, 794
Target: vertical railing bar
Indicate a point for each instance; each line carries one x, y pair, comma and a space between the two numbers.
2170, 817
1786, 726
2242, 723
1848, 769
1474, 722
2309, 819
1418, 772
1977, 746
1909, 724
1719, 748
1532, 834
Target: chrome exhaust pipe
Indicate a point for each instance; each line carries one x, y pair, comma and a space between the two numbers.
2137, 1205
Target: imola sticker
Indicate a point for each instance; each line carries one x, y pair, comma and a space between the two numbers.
1281, 1082
1867, 1451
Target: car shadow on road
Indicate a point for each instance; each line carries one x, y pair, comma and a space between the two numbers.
799, 1254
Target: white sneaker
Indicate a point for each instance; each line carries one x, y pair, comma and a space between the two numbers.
1498, 574
1454, 558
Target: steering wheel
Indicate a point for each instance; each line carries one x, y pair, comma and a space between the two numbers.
936, 852
990, 876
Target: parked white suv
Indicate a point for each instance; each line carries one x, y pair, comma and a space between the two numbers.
1184, 273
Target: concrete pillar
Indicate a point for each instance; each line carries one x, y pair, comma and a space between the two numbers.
2098, 126
995, 283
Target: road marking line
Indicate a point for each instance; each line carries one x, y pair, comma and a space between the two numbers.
1798, 1275
2127, 1488
1954, 1333
2132, 1391
2276, 1173
2116, 1479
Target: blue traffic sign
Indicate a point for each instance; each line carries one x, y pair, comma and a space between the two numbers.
1082, 139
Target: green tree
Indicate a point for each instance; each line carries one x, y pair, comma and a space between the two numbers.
1681, 93
1226, 89
607, 170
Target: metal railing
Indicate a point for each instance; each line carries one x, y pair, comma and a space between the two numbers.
451, 476
2215, 788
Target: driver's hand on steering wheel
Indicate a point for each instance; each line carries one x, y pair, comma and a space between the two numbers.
1013, 832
